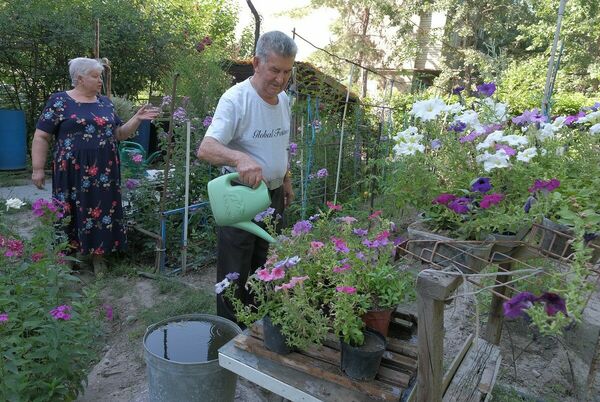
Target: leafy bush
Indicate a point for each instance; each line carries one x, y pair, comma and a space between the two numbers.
46, 326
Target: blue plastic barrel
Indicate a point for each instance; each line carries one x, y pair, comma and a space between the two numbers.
143, 135
13, 138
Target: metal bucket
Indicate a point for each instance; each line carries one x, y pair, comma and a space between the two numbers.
182, 363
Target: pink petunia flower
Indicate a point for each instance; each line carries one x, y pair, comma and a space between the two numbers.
264, 275
346, 289
333, 206
491, 199
342, 268
340, 245
278, 273
35, 257
375, 214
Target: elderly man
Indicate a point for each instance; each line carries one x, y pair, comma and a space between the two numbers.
249, 134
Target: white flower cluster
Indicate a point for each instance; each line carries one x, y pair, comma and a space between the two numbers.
14, 203
408, 142
501, 158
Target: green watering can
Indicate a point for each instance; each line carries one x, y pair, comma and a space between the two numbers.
236, 206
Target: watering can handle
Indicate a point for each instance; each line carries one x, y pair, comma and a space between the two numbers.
229, 177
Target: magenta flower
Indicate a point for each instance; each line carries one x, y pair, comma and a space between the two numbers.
514, 307
301, 227
333, 207
108, 311
264, 275
3, 317
35, 257
481, 185
486, 89
460, 205
342, 268
137, 158
375, 214
444, 199
278, 273
340, 245
346, 289
61, 313
553, 303
491, 199
544, 185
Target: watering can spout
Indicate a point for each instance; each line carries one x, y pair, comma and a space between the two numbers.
236, 205
255, 230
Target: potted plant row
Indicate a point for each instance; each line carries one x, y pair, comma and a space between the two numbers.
322, 276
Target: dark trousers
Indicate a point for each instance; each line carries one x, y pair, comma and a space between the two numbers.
242, 252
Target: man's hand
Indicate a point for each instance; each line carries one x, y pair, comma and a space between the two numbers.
288, 191
250, 171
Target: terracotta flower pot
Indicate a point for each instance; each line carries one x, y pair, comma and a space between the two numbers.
378, 320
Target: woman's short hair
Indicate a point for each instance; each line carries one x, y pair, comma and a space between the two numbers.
83, 66
275, 42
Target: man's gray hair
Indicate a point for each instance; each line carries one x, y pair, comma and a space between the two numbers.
275, 42
83, 66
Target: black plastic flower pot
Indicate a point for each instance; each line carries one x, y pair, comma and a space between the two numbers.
273, 339
362, 362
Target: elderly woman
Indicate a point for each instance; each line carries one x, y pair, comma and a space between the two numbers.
86, 173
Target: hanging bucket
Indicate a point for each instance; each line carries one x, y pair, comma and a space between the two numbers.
14, 138
182, 359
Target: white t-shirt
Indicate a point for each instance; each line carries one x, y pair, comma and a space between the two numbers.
244, 122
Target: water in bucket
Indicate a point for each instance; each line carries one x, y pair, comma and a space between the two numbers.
182, 359
189, 341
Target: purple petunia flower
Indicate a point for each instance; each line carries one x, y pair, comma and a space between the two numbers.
469, 137
340, 245
233, 276
507, 149
481, 185
207, 121
3, 317
132, 184
573, 118
460, 205
486, 89
436, 144
514, 307
359, 231
553, 303
529, 116
544, 186
458, 126
321, 173
457, 90
530, 201
301, 227
293, 148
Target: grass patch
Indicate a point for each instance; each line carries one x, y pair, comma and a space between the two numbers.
16, 178
503, 393
186, 301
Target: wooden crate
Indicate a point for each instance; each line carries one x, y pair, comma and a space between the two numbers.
398, 367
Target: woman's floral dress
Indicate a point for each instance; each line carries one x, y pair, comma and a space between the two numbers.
86, 172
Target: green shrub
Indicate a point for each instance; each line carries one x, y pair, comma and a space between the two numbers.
47, 327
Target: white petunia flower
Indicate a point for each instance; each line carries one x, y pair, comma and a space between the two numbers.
559, 121
527, 154
593, 117
408, 148
221, 286
453, 108
560, 151
547, 131
595, 129
14, 203
498, 108
498, 160
428, 109
470, 118
515, 140
408, 135
490, 140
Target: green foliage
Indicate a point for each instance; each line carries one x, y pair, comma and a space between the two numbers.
43, 359
139, 38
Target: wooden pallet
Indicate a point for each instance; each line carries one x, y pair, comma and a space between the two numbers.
397, 371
